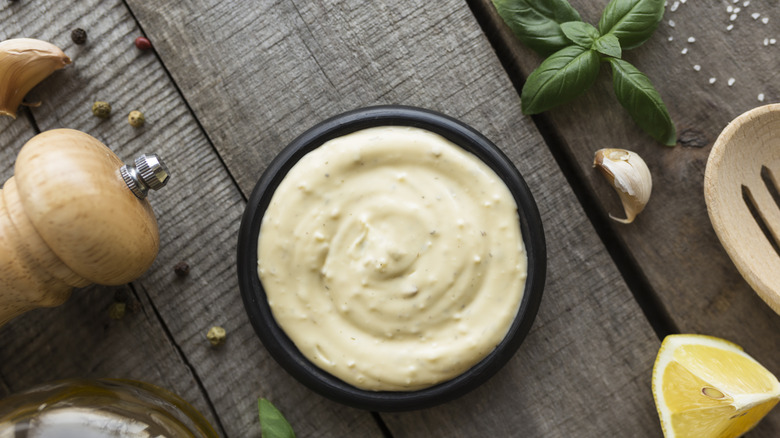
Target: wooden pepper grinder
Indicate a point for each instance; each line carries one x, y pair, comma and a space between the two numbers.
73, 215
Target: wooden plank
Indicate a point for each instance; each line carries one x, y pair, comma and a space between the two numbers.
256, 76
198, 213
672, 241
79, 339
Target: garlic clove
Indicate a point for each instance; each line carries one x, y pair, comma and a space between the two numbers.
628, 174
24, 62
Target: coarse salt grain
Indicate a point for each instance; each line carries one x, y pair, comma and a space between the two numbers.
674, 7
729, 27
712, 80
671, 38
772, 41
766, 41
765, 20
729, 9
737, 10
760, 97
684, 51
755, 15
746, 3
671, 23
691, 39
731, 81
697, 67
733, 17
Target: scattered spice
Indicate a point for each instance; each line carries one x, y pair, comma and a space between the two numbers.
134, 306
136, 119
117, 310
101, 109
216, 335
79, 36
182, 269
143, 43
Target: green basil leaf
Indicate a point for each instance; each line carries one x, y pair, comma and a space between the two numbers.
635, 92
563, 76
608, 45
580, 33
272, 422
631, 21
537, 23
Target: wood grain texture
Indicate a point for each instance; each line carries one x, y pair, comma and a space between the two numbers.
672, 241
198, 213
258, 76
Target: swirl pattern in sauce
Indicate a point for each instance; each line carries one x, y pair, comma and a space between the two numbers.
392, 258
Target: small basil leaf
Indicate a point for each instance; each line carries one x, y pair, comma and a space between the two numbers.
537, 23
631, 21
635, 92
272, 422
563, 76
580, 33
608, 45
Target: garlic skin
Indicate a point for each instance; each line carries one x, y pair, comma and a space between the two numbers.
24, 62
627, 172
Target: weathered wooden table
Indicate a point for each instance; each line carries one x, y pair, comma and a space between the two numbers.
229, 84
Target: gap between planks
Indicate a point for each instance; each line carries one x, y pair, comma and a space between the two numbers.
650, 303
244, 196
182, 356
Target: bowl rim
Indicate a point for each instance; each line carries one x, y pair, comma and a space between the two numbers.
284, 351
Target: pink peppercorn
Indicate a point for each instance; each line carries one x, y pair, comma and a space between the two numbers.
143, 43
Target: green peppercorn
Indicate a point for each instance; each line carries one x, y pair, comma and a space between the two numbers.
136, 119
216, 335
117, 310
101, 109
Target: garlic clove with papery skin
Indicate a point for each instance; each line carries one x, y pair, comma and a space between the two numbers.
628, 174
24, 62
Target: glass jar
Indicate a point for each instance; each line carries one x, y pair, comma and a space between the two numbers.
100, 409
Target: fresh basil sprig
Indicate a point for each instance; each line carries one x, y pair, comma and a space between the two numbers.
272, 422
575, 50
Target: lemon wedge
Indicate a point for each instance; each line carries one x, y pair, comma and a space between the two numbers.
707, 387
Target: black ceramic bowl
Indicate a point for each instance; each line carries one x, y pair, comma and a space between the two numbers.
282, 348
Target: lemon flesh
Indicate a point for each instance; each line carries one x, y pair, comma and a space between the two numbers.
707, 387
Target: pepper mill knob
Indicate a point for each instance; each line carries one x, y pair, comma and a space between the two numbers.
149, 172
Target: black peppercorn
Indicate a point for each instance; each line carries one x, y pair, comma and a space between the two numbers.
79, 36
181, 269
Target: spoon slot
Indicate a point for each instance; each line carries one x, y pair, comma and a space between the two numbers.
747, 196
771, 184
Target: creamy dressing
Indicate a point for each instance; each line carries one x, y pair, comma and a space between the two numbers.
392, 258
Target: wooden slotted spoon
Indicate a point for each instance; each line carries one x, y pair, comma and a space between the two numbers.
741, 191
